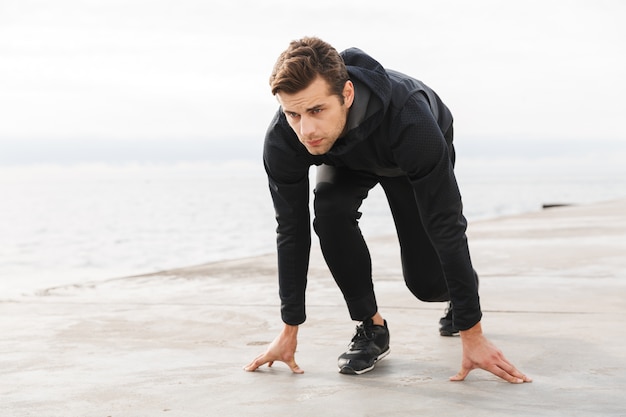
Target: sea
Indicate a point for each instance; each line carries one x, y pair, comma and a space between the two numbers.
74, 223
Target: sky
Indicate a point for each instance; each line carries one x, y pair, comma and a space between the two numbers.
184, 79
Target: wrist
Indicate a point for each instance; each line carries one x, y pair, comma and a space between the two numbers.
473, 332
290, 330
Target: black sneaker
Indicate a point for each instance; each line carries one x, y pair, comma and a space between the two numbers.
446, 327
369, 345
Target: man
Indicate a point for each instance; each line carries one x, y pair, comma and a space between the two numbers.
363, 125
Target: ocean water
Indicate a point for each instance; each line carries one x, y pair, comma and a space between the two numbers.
63, 224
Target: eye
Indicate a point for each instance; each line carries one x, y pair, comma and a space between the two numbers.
291, 115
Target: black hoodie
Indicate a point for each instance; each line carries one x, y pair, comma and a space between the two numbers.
395, 127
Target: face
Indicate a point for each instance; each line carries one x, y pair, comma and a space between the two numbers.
317, 116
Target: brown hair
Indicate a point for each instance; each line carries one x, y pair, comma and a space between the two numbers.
303, 61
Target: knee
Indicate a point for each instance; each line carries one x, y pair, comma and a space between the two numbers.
329, 223
331, 201
430, 291
333, 211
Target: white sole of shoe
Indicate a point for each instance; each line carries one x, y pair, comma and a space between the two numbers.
346, 370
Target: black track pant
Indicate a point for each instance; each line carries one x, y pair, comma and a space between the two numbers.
338, 196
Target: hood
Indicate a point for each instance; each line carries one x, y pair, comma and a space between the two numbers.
372, 97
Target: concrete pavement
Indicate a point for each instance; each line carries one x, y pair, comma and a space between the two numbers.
553, 291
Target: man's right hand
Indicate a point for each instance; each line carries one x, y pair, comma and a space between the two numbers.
282, 349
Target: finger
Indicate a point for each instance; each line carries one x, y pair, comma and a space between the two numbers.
250, 367
460, 376
505, 375
295, 368
258, 361
514, 375
517, 377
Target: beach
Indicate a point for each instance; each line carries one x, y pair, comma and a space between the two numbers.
553, 291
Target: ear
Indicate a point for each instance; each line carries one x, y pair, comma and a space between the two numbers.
348, 93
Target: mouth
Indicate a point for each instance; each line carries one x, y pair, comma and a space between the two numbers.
314, 143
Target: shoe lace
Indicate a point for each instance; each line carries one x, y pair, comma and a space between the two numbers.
362, 337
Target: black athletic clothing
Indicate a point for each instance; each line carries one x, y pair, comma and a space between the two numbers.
400, 135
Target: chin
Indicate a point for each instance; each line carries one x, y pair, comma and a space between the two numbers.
316, 151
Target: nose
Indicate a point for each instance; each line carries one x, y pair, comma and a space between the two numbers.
307, 126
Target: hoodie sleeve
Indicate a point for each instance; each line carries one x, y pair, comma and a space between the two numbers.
421, 151
287, 173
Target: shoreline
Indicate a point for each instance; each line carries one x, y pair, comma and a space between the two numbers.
75, 229
389, 240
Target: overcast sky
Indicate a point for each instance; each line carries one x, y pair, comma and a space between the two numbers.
140, 71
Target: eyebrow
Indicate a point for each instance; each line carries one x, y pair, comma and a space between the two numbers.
316, 107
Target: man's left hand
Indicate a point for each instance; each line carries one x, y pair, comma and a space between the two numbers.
478, 352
